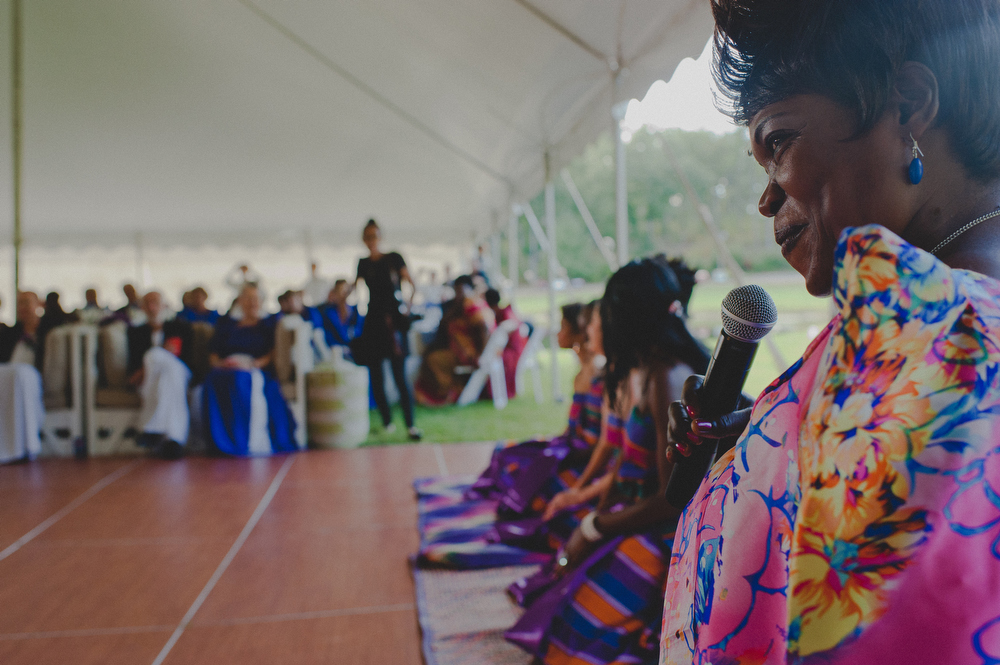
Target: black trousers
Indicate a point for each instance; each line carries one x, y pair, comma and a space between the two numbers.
378, 389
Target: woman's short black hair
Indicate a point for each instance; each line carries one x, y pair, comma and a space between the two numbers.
571, 315
639, 324
492, 297
851, 51
464, 281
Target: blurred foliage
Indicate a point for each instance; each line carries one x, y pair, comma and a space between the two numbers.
661, 216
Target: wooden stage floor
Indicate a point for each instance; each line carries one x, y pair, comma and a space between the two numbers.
297, 559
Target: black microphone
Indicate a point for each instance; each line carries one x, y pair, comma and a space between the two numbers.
748, 314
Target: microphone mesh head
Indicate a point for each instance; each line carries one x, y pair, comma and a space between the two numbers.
748, 313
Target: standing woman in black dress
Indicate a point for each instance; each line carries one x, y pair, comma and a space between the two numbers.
384, 332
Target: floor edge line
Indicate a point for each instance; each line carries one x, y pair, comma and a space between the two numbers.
439, 455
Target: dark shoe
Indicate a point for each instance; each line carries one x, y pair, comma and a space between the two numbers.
149, 440
169, 450
415, 433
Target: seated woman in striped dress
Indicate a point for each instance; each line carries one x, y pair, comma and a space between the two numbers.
498, 520
606, 595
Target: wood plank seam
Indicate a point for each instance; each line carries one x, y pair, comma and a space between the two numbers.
68, 508
269, 618
85, 632
317, 614
226, 560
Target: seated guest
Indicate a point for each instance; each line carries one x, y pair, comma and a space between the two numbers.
243, 275
242, 404
91, 312
195, 310
432, 291
515, 343
316, 290
341, 322
21, 405
132, 313
291, 302
54, 315
462, 335
606, 600
159, 355
24, 341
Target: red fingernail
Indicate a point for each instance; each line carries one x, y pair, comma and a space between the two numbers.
692, 437
704, 426
690, 411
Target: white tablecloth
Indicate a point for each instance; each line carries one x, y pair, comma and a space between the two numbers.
21, 411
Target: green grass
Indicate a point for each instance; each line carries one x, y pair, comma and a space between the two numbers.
524, 418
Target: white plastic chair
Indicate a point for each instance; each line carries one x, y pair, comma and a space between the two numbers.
64, 386
490, 367
528, 362
294, 358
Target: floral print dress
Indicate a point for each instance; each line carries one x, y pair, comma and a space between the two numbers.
857, 520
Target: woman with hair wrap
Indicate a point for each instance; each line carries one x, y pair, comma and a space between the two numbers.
857, 518
606, 603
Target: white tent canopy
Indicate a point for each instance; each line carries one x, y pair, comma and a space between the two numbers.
199, 121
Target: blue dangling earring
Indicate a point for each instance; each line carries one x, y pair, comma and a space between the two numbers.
917, 165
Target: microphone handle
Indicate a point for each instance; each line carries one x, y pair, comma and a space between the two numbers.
719, 395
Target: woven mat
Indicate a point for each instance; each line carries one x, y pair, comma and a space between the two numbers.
463, 615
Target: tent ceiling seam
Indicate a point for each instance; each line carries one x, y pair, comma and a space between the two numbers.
658, 36
565, 32
371, 92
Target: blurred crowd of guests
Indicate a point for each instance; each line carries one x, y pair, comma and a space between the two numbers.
455, 318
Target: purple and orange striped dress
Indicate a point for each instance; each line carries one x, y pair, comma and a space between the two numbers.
608, 610
495, 521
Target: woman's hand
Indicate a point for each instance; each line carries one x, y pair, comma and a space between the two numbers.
576, 552
685, 429
566, 499
238, 361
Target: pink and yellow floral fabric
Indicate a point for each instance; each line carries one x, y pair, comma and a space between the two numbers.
857, 520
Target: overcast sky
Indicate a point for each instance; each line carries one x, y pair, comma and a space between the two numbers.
685, 102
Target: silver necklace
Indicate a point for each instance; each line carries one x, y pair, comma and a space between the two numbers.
975, 222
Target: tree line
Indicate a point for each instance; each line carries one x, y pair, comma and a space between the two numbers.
662, 218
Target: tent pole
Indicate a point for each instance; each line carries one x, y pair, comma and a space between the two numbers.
536, 227
588, 220
550, 223
513, 252
140, 263
16, 135
496, 275
621, 187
